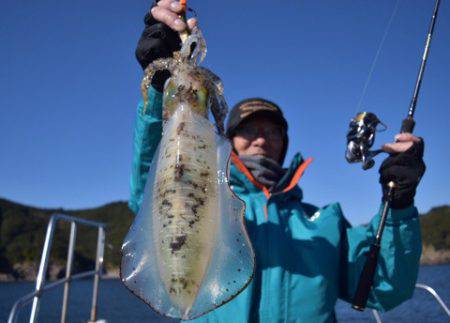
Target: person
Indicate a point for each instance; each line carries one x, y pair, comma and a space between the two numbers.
306, 257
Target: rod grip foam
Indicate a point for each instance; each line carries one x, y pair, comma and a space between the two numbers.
408, 125
366, 279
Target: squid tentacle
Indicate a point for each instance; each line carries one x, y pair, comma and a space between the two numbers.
157, 65
217, 103
194, 48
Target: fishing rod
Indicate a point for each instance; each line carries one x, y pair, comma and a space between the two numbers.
409, 123
360, 138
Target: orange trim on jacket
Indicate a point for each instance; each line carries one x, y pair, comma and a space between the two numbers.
297, 175
240, 165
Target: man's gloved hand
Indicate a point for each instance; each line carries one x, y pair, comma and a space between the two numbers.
160, 37
405, 167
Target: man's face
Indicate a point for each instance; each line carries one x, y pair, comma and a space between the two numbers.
259, 136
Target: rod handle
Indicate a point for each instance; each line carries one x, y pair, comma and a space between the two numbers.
366, 279
408, 125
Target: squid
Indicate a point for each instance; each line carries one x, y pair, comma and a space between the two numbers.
187, 251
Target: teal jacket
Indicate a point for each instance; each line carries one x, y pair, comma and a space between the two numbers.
306, 257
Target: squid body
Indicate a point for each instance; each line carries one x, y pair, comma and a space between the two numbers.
187, 251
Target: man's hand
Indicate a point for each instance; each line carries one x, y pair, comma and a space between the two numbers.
404, 166
168, 11
160, 37
403, 141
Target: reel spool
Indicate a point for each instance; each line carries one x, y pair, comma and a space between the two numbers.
361, 137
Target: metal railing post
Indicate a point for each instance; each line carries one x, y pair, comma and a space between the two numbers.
13, 315
41, 287
69, 265
436, 297
430, 290
98, 271
40, 280
377, 316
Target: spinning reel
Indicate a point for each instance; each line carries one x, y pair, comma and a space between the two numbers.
361, 137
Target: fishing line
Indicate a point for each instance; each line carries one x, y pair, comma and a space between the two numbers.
377, 55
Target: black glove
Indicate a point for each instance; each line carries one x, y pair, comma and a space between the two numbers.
157, 41
405, 169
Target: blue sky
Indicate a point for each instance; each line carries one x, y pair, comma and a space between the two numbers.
69, 85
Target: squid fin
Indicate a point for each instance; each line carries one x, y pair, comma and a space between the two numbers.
230, 268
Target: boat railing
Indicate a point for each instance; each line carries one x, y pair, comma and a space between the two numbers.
436, 297
41, 287
430, 290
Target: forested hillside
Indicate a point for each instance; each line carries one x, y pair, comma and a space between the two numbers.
435, 227
22, 231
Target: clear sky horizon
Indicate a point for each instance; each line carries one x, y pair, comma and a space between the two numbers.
69, 86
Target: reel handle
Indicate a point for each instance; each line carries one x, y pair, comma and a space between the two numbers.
408, 125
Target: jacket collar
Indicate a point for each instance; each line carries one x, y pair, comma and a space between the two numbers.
242, 179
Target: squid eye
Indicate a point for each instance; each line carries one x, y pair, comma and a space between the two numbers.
202, 96
170, 91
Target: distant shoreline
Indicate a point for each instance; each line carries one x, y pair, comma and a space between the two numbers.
9, 278
431, 256
114, 273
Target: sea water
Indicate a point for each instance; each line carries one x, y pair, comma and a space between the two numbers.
117, 305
